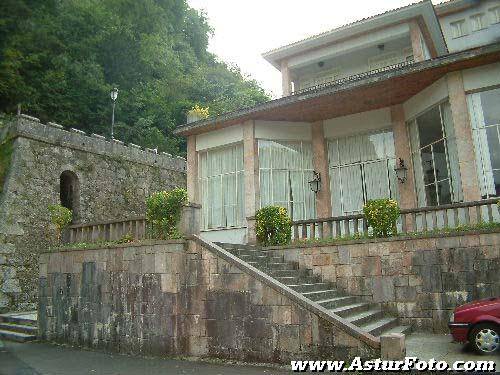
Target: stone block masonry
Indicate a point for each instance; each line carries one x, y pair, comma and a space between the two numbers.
421, 280
176, 298
111, 182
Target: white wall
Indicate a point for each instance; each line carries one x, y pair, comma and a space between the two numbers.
426, 98
219, 137
283, 130
472, 38
482, 76
358, 123
235, 235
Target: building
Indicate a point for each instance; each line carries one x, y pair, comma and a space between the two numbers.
400, 85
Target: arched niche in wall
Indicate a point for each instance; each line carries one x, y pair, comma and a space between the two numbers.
69, 192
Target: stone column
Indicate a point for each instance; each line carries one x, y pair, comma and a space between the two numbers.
408, 198
416, 42
286, 83
320, 163
192, 170
463, 134
190, 219
251, 166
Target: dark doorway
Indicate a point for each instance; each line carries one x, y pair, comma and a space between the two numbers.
70, 192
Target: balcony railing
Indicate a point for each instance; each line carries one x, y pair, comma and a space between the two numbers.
424, 219
354, 77
107, 231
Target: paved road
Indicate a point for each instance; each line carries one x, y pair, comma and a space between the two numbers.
47, 359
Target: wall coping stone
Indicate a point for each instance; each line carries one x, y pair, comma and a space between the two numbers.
141, 243
283, 289
31, 128
379, 240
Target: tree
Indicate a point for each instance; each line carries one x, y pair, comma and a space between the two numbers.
60, 59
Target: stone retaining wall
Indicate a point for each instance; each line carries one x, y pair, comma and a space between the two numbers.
114, 181
179, 299
421, 280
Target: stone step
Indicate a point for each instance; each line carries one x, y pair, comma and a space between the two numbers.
344, 311
282, 266
16, 336
364, 317
335, 302
314, 287
399, 329
321, 295
27, 318
21, 328
378, 326
281, 273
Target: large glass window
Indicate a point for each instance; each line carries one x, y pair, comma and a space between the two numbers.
361, 168
435, 161
222, 187
485, 119
285, 169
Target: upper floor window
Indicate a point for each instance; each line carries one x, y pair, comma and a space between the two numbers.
477, 21
458, 28
495, 14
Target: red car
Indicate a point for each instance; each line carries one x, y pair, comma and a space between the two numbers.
478, 323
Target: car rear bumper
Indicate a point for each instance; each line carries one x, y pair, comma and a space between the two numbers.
459, 331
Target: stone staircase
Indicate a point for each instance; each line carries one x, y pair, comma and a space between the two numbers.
20, 327
365, 315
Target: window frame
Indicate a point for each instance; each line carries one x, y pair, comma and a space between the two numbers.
478, 19
454, 195
461, 28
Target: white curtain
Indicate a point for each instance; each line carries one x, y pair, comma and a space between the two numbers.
222, 187
285, 169
361, 168
480, 139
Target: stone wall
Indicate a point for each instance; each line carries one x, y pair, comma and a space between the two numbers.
113, 179
420, 280
180, 299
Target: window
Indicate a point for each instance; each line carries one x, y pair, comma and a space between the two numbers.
484, 110
285, 169
69, 193
495, 14
477, 21
361, 168
222, 187
458, 28
435, 158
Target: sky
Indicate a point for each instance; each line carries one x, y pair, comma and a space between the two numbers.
244, 29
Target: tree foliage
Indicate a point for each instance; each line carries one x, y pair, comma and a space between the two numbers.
60, 59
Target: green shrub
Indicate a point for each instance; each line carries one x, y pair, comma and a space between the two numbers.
381, 215
273, 226
163, 212
61, 217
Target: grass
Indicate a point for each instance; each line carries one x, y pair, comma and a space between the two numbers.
422, 234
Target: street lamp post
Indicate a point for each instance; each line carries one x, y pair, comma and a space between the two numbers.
114, 95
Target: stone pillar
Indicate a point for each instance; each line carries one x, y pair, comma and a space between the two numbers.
286, 83
251, 166
463, 134
192, 170
408, 198
320, 163
416, 42
392, 346
190, 220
